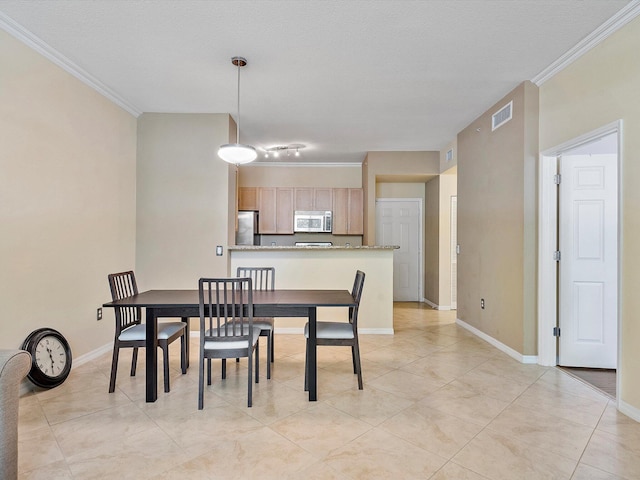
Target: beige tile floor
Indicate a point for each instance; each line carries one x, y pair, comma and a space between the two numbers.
438, 403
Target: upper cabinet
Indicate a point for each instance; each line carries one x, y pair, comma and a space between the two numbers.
308, 198
248, 198
348, 216
276, 210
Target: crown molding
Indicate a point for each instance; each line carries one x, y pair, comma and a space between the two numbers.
292, 164
18, 31
615, 23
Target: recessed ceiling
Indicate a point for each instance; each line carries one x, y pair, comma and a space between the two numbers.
341, 77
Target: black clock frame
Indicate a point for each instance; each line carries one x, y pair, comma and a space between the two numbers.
37, 376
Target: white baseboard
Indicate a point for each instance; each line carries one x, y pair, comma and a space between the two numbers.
629, 411
363, 331
499, 345
435, 306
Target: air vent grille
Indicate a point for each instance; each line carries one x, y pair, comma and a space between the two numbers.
502, 116
449, 156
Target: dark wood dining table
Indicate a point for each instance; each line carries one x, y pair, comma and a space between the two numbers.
185, 304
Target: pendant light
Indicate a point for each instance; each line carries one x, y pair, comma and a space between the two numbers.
238, 153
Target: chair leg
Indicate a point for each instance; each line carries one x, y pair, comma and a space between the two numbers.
356, 357
165, 359
134, 361
209, 370
257, 354
185, 320
269, 354
114, 369
273, 344
224, 369
201, 383
183, 352
353, 358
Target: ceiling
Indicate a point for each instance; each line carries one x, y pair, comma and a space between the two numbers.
341, 77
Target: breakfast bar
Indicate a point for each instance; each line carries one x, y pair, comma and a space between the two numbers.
332, 267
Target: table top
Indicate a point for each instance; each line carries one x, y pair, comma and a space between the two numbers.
280, 298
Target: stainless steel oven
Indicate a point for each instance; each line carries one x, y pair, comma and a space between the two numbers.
315, 221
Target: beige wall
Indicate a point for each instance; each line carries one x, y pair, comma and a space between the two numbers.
392, 167
599, 88
496, 223
67, 200
448, 188
300, 176
432, 241
185, 194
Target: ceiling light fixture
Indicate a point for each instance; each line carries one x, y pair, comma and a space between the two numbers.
238, 153
275, 151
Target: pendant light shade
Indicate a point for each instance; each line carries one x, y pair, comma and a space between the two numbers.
238, 153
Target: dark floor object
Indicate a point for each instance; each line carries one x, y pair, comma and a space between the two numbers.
602, 379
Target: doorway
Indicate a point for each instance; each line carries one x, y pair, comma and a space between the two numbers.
578, 319
399, 222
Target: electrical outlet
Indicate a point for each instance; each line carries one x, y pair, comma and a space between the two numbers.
482, 303
99, 314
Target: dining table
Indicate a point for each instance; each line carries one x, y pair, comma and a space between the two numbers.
185, 304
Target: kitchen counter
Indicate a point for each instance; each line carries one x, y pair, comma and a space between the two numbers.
334, 267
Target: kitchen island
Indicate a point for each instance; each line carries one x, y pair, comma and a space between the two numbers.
334, 267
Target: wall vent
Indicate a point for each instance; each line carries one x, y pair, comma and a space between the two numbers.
502, 116
449, 155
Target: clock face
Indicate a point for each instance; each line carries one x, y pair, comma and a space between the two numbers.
50, 356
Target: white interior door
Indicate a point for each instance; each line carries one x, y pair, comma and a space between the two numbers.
398, 222
587, 275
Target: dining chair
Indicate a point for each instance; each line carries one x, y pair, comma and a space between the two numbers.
263, 278
226, 327
340, 333
131, 333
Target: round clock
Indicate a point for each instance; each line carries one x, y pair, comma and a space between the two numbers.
50, 357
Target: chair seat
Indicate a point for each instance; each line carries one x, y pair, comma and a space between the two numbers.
331, 330
139, 332
263, 323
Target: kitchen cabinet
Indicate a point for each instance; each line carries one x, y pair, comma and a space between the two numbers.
248, 198
348, 216
309, 199
276, 210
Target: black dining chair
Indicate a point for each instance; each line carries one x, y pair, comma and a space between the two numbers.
131, 333
226, 327
340, 333
263, 278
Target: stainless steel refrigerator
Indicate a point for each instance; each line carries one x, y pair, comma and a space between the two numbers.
247, 233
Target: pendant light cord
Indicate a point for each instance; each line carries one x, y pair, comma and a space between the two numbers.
238, 126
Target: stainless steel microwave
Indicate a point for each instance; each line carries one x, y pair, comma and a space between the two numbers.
312, 221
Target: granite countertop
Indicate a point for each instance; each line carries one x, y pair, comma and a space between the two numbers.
245, 248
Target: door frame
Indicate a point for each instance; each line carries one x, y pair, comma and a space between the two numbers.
421, 245
548, 241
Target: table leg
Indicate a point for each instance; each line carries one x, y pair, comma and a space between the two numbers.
151, 355
313, 359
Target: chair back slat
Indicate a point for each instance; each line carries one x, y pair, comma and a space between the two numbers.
226, 309
263, 278
123, 285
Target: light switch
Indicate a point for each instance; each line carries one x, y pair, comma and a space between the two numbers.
219, 250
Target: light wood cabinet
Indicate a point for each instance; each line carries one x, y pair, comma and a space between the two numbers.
248, 198
276, 210
307, 198
348, 216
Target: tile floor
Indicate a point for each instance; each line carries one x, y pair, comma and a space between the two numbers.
438, 404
